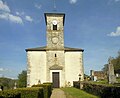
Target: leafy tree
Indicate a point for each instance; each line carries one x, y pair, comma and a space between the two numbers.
22, 79
105, 68
7, 83
116, 64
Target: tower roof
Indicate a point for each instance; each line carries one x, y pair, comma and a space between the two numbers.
54, 14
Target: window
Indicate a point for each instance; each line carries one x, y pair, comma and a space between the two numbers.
55, 55
54, 27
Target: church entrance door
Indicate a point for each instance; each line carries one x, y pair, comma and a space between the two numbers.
55, 78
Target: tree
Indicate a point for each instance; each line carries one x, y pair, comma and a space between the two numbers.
22, 79
115, 62
7, 83
105, 68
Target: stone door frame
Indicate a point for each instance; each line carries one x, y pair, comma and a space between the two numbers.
51, 76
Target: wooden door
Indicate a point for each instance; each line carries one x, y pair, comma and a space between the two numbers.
55, 78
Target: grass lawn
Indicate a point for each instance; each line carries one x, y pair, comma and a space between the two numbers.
72, 92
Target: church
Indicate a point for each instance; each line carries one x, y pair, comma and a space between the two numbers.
54, 63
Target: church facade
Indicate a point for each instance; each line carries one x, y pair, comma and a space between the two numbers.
54, 62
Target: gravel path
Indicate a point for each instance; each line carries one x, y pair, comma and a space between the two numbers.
58, 93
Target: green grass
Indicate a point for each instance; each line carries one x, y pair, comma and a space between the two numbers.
77, 93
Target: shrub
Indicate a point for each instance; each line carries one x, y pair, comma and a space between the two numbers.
32, 92
51, 84
47, 88
50, 87
76, 84
104, 91
10, 94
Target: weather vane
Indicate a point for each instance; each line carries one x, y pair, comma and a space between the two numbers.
54, 5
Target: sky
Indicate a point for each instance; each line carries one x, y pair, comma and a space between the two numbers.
93, 25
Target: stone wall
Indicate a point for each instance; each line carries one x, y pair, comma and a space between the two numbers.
59, 60
55, 33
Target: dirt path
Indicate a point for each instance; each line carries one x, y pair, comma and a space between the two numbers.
58, 93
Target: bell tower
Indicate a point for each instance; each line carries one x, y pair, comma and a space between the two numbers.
55, 30
54, 63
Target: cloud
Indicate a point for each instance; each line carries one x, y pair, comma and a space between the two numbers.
9, 73
38, 6
114, 34
15, 19
1, 69
5, 14
28, 18
4, 70
20, 13
4, 7
12, 18
73, 1
113, 1
117, 0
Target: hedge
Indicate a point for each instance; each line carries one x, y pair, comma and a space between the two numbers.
47, 88
50, 87
76, 84
32, 92
37, 91
10, 94
104, 91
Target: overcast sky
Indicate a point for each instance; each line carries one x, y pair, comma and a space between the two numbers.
93, 25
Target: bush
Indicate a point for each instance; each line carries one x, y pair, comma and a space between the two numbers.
10, 94
47, 88
37, 91
103, 91
32, 92
76, 84
50, 87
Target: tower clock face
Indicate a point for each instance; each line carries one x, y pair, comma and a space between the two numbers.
54, 22
54, 40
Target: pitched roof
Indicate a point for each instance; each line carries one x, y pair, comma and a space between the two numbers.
73, 49
36, 49
45, 49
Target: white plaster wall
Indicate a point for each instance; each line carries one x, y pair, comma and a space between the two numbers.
73, 66
36, 67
